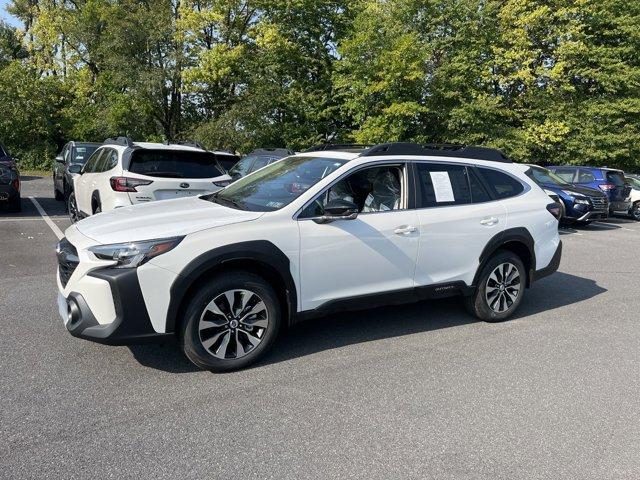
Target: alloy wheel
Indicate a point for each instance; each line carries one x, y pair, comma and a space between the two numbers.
233, 324
635, 211
72, 208
503, 287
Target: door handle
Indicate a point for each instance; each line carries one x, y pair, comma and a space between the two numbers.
489, 221
405, 230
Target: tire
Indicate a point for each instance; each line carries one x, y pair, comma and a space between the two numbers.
635, 211
15, 204
72, 208
208, 335
480, 304
97, 209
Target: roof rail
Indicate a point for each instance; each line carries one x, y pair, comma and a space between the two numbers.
347, 147
274, 151
125, 141
188, 143
440, 150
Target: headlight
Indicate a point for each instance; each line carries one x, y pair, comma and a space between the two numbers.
134, 254
577, 198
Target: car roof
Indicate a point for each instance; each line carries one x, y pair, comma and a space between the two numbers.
91, 144
165, 146
587, 167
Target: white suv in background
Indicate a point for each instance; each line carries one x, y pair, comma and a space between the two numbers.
316, 232
122, 173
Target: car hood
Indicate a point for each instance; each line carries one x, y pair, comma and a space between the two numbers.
589, 192
161, 219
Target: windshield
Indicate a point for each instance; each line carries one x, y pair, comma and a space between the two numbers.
82, 154
175, 163
635, 183
276, 185
542, 175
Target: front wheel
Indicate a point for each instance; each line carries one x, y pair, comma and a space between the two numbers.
500, 288
635, 211
231, 322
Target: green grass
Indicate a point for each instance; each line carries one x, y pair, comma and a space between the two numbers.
35, 173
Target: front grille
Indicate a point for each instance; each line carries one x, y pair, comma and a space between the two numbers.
599, 202
67, 260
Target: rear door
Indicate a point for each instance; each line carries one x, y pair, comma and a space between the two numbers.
172, 174
457, 216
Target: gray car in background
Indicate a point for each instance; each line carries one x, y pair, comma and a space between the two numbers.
68, 164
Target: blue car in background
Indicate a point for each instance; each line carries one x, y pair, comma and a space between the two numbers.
610, 181
580, 204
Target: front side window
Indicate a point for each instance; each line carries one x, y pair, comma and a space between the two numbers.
276, 185
442, 185
375, 189
174, 163
503, 185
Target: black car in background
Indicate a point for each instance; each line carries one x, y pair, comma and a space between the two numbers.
68, 164
257, 159
10, 186
5, 158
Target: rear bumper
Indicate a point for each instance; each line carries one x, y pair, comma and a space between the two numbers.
8, 193
131, 324
553, 266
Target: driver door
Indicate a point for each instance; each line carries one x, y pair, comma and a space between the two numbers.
374, 253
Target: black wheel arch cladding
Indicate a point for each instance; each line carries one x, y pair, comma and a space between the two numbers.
517, 240
259, 257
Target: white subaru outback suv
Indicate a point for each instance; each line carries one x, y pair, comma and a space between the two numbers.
121, 173
316, 232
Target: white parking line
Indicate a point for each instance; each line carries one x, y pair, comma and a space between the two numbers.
58, 233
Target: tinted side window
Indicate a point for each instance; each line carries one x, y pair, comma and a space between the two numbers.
503, 185
101, 165
91, 163
442, 184
585, 176
565, 174
111, 160
479, 194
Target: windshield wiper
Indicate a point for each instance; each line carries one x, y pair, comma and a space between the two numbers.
222, 201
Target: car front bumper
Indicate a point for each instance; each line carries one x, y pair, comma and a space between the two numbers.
131, 323
619, 207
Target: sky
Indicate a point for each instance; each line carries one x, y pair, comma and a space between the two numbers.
5, 16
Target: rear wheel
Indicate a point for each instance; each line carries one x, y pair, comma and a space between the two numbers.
72, 208
230, 322
500, 288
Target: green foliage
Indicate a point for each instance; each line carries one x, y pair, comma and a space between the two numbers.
548, 81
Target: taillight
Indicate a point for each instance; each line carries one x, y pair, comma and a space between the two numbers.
126, 184
555, 209
605, 187
16, 184
222, 183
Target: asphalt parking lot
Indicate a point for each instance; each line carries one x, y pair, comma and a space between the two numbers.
419, 391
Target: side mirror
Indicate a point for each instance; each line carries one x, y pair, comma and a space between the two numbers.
338, 209
59, 159
75, 168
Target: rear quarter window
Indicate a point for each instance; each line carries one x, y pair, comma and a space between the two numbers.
174, 164
503, 185
565, 174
